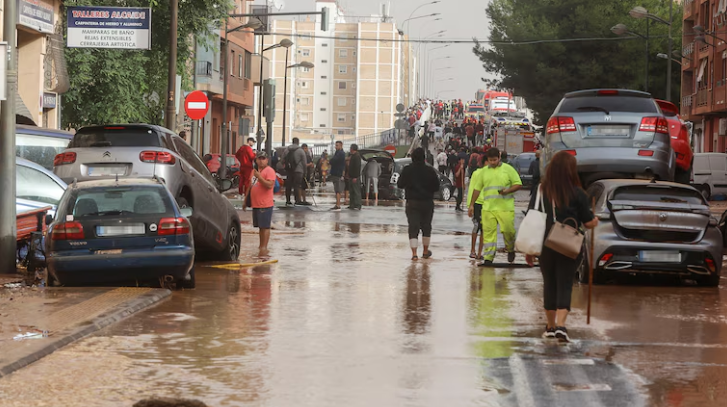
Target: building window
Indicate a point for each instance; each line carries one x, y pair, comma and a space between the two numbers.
324, 77
341, 132
355, 69
232, 64
323, 125
216, 62
324, 44
324, 93
342, 85
304, 101
239, 66
724, 68
323, 109
341, 101
248, 65
343, 53
304, 117
306, 69
341, 117
353, 117
342, 69
304, 84
324, 61
305, 52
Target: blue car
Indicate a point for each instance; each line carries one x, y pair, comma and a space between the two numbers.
117, 232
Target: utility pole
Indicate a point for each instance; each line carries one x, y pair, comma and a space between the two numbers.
669, 51
8, 225
194, 136
170, 118
225, 80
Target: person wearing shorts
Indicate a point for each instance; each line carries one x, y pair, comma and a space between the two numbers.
338, 164
477, 215
261, 199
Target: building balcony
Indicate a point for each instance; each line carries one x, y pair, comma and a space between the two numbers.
686, 106
688, 56
688, 9
719, 94
702, 102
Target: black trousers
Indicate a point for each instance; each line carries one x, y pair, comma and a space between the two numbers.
460, 192
294, 183
558, 275
419, 214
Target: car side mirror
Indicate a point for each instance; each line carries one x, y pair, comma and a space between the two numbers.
48, 219
186, 212
224, 185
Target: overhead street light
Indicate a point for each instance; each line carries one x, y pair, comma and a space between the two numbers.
622, 29
415, 10
253, 24
640, 13
284, 43
665, 56
303, 64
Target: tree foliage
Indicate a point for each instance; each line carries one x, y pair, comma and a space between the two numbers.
129, 86
543, 72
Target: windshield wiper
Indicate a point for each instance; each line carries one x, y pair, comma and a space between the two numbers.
594, 109
114, 212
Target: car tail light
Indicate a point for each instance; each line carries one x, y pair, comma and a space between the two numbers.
571, 152
654, 124
608, 92
173, 226
605, 259
710, 264
159, 157
64, 158
68, 231
560, 125
646, 153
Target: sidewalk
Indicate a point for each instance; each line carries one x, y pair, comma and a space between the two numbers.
34, 321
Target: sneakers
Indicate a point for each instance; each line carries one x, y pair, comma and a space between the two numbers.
510, 257
549, 333
303, 203
288, 205
562, 334
486, 263
336, 209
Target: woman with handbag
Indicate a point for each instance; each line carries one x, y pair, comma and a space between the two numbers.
567, 209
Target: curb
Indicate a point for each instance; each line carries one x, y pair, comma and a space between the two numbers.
116, 314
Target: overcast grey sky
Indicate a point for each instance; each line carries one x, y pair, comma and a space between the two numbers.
462, 19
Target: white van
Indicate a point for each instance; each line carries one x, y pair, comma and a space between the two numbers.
710, 173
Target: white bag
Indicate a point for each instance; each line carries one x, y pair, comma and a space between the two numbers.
531, 234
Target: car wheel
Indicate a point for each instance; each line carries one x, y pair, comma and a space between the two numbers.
705, 190
446, 193
709, 281
583, 271
182, 202
232, 244
187, 284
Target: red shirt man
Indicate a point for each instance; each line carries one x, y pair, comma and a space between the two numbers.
246, 156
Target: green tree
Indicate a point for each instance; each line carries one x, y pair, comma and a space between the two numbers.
129, 86
542, 72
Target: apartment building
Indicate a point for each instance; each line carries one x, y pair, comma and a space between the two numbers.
704, 74
42, 75
362, 70
243, 70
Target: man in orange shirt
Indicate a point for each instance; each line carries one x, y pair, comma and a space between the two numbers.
246, 157
261, 199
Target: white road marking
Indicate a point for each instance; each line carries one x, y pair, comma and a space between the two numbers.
523, 392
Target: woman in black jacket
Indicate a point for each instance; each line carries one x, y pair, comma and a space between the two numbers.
420, 182
560, 187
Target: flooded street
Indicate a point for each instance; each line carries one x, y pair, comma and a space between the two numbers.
346, 318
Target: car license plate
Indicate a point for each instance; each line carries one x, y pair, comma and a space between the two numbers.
659, 256
125, 230
113, 251
618, 131
105, 171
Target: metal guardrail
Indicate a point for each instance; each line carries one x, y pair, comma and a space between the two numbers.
204, 68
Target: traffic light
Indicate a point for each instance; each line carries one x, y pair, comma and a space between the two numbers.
324, 19
269, 99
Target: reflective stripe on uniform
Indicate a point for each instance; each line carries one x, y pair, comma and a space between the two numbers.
498, 196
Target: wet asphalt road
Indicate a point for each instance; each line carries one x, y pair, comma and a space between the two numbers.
346, 318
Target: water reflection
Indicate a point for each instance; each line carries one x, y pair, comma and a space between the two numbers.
489, 310
417, 307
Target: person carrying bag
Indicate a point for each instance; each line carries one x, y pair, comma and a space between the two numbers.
567, 208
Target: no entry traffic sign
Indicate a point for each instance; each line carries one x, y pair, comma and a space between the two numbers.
391, 149
196, 105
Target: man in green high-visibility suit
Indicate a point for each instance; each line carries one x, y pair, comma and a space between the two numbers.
496, 184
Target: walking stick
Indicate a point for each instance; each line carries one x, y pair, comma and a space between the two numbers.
309, 192
590, 266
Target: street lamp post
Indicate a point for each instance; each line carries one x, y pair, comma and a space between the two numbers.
415, 10
286, 43
304, 64
419, 48
254, 24
429, 67
640, 12
665, 56
621, 29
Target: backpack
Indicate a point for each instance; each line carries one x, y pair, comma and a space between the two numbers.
289, 160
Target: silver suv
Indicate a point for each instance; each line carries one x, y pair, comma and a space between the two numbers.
613, 133
145, 151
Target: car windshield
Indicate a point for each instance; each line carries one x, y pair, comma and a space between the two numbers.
115, 137
122, 200
609, 104
659, 193
37, 186
39, 149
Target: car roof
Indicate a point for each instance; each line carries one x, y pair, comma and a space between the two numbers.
109, 182
42, 131
621, 92
615, 183
27, 163
139, 125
